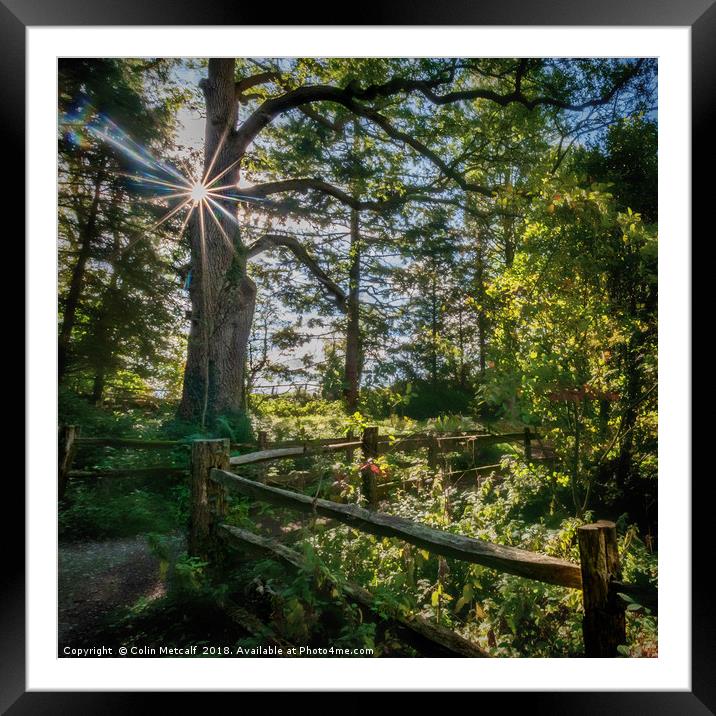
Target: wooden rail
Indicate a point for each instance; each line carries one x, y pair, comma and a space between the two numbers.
385, 487
158, 471
70, 440
598, 575
309, 442
482, 439
469, 549
300, 451
429, 639
132, 442
477, 438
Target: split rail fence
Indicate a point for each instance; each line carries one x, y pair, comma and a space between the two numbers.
71, 440
598, 575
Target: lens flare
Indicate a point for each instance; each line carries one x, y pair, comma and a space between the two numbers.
182, 190
198, 192
193, 191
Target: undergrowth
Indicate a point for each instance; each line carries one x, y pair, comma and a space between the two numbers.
524, 505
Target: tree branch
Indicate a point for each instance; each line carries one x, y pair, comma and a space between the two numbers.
336, 126
352, 96
272, 241
306, 184
518, 97
272, 108
248, 82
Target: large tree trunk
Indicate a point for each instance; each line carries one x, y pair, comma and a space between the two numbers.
354, 359
222, 295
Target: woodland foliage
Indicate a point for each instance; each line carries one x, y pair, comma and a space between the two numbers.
440, 245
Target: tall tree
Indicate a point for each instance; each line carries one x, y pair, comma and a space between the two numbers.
104, 268
223, 295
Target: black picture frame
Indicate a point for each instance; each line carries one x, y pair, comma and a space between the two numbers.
699, 15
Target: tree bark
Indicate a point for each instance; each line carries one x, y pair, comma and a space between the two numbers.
482, 314
208, 500
222, 294
603, 626
353, 363
433, 326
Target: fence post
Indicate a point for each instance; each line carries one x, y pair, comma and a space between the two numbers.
208, 504
370, 451
432, 452
604, 623
350, 436
528, 446
66, 437
261, 468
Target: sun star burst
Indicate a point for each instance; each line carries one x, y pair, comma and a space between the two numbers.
182, 190
199, 192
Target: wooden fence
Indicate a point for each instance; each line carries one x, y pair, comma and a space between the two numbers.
71, 439
598, 575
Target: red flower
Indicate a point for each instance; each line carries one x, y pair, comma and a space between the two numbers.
370, 465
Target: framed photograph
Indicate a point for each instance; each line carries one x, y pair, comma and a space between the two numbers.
364, 342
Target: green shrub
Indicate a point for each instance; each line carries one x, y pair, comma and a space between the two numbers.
91, 514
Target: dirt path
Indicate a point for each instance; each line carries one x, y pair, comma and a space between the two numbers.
97, 578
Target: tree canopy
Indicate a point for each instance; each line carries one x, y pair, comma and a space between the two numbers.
422, 235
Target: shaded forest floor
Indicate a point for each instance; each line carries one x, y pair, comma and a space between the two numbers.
105, 586
98, 579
